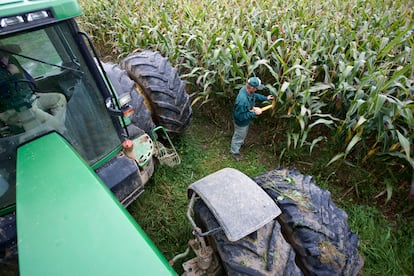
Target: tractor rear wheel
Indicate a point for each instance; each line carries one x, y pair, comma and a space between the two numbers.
264, 252
310, 237
162, 87
311, 222
124, 85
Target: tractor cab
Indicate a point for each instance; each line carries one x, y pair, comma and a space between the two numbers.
53, 64
51, 81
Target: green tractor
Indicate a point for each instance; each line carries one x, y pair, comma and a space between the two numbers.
79, 140
53, 85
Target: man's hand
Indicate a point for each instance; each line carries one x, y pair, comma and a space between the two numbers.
13, 69
270, 97
257, 110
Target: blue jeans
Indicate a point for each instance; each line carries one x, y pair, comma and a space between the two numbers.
239, 135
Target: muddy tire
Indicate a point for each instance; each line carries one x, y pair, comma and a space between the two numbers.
310, 237
124, 85
163, 89
312, 224
263, 252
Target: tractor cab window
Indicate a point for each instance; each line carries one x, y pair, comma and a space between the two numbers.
46, 64
46, 85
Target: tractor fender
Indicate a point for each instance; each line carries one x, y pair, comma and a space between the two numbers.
237, 202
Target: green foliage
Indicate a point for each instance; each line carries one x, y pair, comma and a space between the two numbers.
345, 66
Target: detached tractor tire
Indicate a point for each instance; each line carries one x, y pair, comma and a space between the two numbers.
311, 222
124, 85
163, 89
264, 252
310, 237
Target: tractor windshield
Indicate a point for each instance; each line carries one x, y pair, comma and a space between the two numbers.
46, 85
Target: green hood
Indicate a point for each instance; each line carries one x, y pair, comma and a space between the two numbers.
68, 221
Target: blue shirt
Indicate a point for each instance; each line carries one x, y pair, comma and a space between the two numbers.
244, 103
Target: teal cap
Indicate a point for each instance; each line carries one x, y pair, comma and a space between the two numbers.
255, 82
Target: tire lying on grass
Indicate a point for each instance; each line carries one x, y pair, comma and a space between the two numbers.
310, 237
315, 227
162, 87
124, 85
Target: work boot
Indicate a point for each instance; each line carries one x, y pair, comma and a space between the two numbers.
237, 156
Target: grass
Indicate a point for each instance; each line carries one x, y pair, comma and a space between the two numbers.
387, 245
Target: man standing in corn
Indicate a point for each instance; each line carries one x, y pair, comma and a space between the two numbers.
244, 111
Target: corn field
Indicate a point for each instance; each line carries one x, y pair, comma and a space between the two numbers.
343, 67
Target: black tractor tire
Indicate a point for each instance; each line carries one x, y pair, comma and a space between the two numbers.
123, 84
264, 252
311, 222
163, 88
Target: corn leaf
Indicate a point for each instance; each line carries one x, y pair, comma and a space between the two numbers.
352, 143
